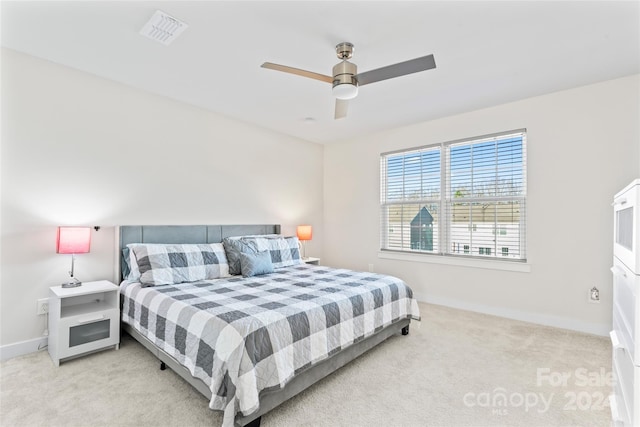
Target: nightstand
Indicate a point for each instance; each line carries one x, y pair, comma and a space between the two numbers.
311, 260
83, 319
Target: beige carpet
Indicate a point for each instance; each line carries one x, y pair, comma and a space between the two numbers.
453, 369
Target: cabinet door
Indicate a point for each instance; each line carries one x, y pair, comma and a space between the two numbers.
626, 229
88, 332
626, 308
627, 395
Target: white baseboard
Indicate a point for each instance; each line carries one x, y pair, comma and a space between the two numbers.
10, 351
540, 319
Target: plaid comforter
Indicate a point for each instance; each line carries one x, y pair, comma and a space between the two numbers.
244, 335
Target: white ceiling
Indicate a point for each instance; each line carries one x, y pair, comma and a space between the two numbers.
487, 53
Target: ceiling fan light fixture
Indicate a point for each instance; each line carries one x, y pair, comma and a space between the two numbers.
345, 91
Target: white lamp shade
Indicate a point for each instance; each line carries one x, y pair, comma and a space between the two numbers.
345, 91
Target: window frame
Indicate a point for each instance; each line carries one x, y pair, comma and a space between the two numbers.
445, 201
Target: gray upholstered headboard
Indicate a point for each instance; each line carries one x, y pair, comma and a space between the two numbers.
185, 234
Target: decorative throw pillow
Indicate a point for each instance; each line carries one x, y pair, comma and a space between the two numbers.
233, 247
284, 251
161, 264
255, 264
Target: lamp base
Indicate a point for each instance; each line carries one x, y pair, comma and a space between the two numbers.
72, 284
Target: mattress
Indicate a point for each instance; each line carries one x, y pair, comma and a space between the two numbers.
241, 336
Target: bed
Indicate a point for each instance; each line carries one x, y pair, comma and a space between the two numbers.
250, 343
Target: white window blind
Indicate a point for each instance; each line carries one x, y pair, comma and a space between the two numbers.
460, 198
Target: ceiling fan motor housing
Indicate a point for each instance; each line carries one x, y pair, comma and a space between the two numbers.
345, 84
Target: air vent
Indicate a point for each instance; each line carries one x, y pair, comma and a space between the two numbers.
163, 28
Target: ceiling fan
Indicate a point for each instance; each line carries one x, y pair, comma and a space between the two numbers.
346, 79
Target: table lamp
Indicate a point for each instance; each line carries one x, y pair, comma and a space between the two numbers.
305, 232
73, 240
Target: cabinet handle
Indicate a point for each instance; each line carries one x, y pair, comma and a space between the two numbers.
615, 342
90, 319
619, 202
618, 271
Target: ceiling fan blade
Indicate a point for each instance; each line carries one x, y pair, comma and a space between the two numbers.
342, 105
298, 72
396, 70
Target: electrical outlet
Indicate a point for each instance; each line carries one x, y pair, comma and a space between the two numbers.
42, 306
370, 268
594, 295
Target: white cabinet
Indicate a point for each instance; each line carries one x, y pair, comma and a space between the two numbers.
625, 336
83, 319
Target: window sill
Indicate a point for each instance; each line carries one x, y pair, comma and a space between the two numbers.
489, 264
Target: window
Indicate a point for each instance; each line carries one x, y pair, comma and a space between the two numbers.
461, 198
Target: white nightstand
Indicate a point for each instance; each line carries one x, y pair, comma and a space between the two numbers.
83, 319
311, 260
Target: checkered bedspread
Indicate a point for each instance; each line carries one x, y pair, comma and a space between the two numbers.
244, 335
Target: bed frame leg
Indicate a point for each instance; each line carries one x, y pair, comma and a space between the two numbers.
162, 366
405, 330
254, 423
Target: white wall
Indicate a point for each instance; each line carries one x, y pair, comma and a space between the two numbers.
81, 150
583, 146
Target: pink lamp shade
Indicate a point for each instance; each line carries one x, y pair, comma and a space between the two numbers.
305, 232
73, 240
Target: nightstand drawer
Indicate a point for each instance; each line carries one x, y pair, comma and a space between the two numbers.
88, 332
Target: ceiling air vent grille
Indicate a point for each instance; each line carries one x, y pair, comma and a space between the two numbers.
163, 28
